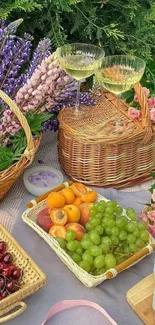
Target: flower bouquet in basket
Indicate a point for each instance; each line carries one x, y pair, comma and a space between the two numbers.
33, 88
148, 212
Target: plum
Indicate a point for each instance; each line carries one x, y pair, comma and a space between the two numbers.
44, 220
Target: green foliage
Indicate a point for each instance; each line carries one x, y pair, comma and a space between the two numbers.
26, 5
35, 121
122, 26
17, 145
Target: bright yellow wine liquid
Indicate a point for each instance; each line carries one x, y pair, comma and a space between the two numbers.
118, 79
79, 66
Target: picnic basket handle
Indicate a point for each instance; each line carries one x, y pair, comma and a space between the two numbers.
146, 119
30, 148
130, 261
15, 313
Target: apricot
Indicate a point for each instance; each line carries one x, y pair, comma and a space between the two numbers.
68, 195
80, 230
85, 212
77, 201
73, 213
58, 231
55, 200
91, 196
44, 220
79, 189
59, 217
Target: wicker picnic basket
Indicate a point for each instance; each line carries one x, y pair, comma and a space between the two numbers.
92, 152
9, 176
33, 278
30, 217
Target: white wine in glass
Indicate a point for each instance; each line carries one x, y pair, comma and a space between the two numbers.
80, 61
119, 73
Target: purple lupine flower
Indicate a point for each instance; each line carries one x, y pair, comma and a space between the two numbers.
12, 27
15, 53
41, 52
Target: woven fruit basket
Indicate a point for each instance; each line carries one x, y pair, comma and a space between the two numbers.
30, 217
32, 280
93, 152
9, 176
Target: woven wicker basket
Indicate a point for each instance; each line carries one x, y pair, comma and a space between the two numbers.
33, 278
9, 176
92, 152
30, 217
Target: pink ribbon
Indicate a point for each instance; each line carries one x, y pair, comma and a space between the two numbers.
67, 304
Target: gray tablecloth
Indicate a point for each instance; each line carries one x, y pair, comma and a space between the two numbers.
62, 284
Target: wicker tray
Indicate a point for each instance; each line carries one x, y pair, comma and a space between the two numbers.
33, 278
30, 217
92, 152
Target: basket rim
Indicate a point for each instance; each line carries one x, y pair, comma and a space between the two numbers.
22, 292
23, 159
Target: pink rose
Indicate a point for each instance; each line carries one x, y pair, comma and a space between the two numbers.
146, 91
143, 217
145, 210
153, 196
134, 113
152, 113
151, 230
153, 206
151, 215
151, 102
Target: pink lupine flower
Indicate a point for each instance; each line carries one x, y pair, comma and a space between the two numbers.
152, 114
134, 113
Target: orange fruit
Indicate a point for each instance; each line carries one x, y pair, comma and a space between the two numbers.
55, 200
68, 195
79, 229
73, 213
79, 189
77, 201
91, 196
58, 231
59, 217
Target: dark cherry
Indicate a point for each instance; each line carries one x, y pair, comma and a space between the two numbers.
4, 294
1, 257
2, 283
6, 271
2, 264
7, 258
9, 285
17, 274
2, 246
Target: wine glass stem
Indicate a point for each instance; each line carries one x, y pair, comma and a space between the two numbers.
118, 122
77, 105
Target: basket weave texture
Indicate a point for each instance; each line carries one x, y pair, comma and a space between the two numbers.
30, 217
33, 278
93, 152
9, 176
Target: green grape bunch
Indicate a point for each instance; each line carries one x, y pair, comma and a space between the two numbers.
112, 236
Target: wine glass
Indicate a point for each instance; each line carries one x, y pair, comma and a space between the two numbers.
118, 73
80, 61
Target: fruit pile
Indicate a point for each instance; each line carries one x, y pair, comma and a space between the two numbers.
10, 274
97, 236
67, 209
